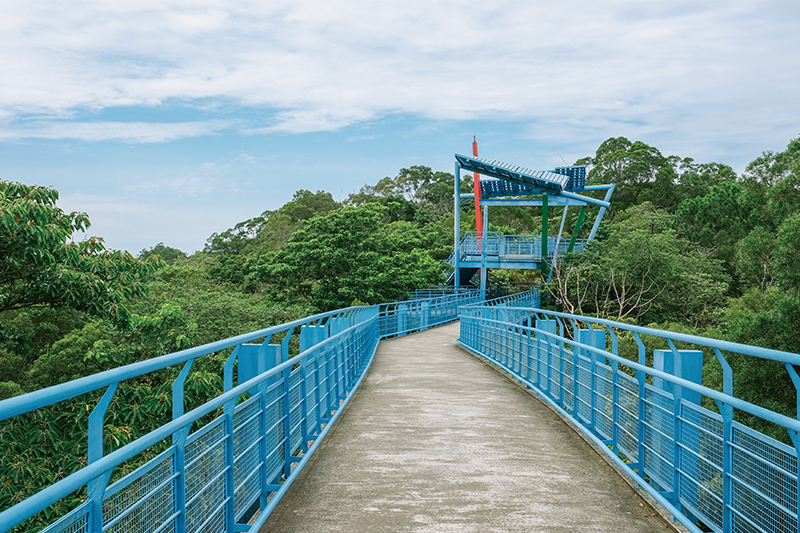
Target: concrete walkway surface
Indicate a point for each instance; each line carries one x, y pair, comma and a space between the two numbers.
435, 440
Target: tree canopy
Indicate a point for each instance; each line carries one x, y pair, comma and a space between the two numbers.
40, 265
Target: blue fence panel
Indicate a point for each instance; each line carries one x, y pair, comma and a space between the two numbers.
700, 464
256, 434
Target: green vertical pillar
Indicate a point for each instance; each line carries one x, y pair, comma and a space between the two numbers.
578, 224
544, 236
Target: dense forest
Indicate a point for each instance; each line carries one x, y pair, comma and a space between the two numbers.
686, 246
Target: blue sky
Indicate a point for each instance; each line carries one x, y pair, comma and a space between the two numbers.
170, 120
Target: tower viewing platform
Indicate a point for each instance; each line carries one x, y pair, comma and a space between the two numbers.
502, 184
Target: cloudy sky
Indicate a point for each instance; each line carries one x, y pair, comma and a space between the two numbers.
169, 120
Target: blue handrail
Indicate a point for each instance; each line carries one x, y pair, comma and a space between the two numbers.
701, 464
236, 467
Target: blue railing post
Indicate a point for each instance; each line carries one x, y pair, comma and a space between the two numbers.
230, 482
96, 488
640, 378
614, 391
286, 374
179, 442
402, 319
597, 339
688, 365
795, 436
727, 465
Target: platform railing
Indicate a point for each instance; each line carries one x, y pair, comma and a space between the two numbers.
529, 298
402, 318
224, 465
675, 437
515, 246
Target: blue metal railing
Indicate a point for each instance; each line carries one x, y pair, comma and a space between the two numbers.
258, 433
273, 411
699, 463
438, 291
514, 246
530, 298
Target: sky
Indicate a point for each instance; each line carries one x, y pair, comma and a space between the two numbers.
169, 120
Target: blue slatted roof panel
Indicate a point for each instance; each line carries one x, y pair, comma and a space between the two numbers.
577, 177
549, 182
493, 188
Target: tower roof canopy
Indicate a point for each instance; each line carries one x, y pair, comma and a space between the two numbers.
543, 180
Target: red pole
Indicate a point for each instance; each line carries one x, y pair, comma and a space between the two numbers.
476, 184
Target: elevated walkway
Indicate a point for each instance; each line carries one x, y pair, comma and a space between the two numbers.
435, 440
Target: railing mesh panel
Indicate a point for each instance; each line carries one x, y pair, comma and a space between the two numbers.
149, 493
659, 430
584, 389
311, 398
205, 484
604, 401
628, 416
295, 414
701, 463
246, 447
274, 437
569, 380
554, 371
764, 483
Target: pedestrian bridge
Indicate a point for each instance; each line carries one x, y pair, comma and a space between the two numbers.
319, 427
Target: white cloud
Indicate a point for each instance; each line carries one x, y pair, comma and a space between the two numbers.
135, 132
325, 65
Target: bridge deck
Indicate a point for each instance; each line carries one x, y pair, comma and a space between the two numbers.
435, 440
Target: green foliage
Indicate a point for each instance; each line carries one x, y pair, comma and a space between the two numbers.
64, 361
642, 174
349, 254
273, 228
167, 254
786, 254
643, 271
754, 258
40, 267
632, 166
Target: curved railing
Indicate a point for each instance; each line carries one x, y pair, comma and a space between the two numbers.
677, 438
278, 401
224, 465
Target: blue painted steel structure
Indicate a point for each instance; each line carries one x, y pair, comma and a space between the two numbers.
270, 417
699, 463
482, 250
227, 475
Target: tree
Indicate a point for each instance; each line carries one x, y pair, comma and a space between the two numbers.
39, 266
350, 255
426, 195
273, 228
235, 239
643, 271
632, 166
167, 253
